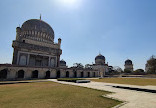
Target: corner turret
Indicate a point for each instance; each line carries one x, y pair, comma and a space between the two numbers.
18, 33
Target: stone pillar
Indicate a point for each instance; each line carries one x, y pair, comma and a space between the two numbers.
53, 74
18, 58
49, 61
28, 57
15, 54
58, 61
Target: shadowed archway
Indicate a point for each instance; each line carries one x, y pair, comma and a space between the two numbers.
88, 74
82, 74
20, 74
67, 74
94, 74
58, 74
75, 73
47, 75
35, 74
3, 74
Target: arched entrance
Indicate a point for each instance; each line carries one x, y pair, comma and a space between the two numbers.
88, 74
20, 74
81, 74
67, 74
75, 73
3, 74
58, 74
35, 74
94, 74
47, 75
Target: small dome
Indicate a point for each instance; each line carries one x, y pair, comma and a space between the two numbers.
128, 62
38, 26
100, 57
100, 60
62, 63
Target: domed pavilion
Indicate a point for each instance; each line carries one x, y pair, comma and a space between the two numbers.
128, 65
34, 45
36, 55
100, 65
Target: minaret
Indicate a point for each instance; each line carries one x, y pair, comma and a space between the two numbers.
59, 42
18, 33
40, 16
58, 58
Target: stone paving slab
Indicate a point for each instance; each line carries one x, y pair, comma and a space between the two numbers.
133, 99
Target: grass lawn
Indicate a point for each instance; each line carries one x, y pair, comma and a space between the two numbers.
131, 81
52, 95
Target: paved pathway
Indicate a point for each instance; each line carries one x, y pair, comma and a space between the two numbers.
133, 99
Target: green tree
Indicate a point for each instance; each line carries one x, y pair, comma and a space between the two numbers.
127, 71
88, 66
151, 64
139, 72
78, 65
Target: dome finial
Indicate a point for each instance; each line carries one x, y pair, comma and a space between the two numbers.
40, 16
99, 53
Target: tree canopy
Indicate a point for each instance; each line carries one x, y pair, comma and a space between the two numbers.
151, 65
78, 65
139, 72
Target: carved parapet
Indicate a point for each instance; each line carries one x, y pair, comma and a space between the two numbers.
36, 47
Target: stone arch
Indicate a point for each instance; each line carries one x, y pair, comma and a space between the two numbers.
34, 74
75, 73
3, 74
20, 74
94, 74
82, 74
67, 74
88, 74
47, 74
58, 74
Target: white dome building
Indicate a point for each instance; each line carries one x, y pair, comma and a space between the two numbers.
100, 65
34, 45
63, 64
129, 65
100, 59
36, 55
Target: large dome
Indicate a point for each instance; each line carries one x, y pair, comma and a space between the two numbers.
39, 28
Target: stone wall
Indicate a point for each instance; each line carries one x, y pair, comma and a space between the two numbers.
13, 72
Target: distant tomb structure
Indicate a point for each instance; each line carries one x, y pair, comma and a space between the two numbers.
129, 65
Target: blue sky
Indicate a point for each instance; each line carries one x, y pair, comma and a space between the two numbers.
119, 29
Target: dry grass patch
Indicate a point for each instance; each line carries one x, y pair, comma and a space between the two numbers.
52, 95
131, 81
